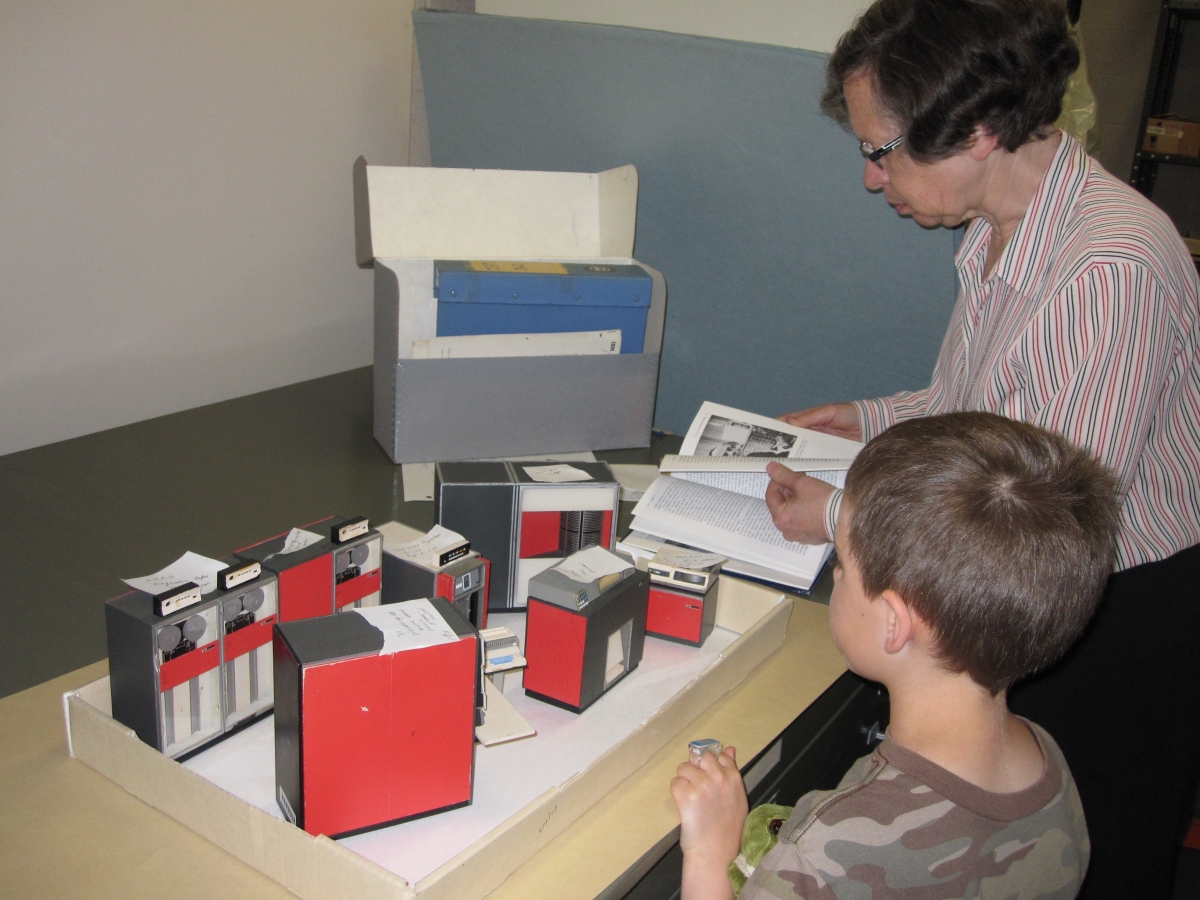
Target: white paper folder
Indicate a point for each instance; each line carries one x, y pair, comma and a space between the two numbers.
429, 410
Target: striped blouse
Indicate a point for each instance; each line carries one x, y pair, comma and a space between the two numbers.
1087, 326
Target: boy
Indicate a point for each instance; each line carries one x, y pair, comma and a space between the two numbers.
972, 551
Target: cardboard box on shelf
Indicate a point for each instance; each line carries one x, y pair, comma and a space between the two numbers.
1172, 135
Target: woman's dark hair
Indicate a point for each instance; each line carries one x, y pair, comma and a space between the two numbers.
999, 534
942, 67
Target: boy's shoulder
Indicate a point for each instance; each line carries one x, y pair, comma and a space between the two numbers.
899, 822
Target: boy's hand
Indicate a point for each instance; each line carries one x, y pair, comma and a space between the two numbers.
797, 504
712, 810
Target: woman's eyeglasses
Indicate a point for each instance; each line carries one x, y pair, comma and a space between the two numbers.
875, 154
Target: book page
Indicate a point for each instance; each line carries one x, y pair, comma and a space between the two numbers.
675, 462
724, 431
751, 484
722, 522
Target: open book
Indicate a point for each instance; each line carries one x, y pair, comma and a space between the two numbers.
713, 497
731, 449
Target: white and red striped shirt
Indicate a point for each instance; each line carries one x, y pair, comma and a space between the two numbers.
1087, 326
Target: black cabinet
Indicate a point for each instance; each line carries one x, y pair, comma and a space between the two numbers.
813, 753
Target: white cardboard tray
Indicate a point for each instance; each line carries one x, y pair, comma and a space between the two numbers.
321, 869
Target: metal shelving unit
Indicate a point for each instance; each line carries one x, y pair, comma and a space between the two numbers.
1177, 17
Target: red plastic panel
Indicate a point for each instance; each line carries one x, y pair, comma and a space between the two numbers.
175, 672
444, 586
433, 727
675, 614
606, 530
539, 533
345, 728
554, 641
358, 587
306, 590
246, 639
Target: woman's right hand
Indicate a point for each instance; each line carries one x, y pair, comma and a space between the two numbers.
838, 419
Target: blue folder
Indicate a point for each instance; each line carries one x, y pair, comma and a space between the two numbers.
526, 298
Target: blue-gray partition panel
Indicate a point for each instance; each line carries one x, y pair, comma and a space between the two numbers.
788, 283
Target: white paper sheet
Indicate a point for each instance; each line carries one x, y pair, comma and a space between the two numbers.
501, 722
507, 776
556, 474
418, 481
408, 626
592, 563
418, 477
298, 539
189, 567
635, 479
435, 542
561, 343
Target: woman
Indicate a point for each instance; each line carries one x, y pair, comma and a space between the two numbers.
1077, 311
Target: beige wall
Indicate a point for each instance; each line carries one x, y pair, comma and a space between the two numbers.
808, 24
175, 200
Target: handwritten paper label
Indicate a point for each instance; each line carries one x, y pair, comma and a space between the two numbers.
409, 625
298, 539
425, 550
591, 564
688, 559
556, 474
189, 567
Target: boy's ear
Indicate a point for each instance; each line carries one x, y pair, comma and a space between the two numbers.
901, 622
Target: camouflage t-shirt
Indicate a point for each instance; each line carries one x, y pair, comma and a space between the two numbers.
900, 826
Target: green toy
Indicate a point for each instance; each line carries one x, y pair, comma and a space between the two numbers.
759, 835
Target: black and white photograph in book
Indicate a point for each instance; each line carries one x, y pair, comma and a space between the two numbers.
726, 437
